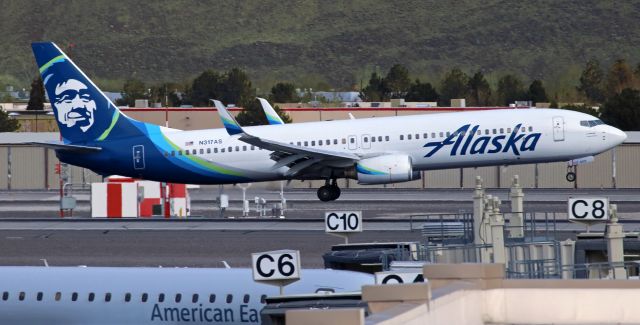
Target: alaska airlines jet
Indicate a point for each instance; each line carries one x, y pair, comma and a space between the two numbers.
383, 150
128, 295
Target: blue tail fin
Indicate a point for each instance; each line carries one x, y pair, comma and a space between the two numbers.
84, 114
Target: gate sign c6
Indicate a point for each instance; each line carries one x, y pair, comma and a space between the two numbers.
588, 209
343, 221
276, 265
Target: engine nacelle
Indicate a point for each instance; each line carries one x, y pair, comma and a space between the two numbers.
384, 170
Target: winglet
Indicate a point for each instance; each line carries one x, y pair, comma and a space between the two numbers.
228, 120
271, 114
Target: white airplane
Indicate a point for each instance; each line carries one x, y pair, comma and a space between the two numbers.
383, 150
134, 295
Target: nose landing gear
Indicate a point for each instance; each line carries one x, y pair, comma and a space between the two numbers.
571, 173
329, 192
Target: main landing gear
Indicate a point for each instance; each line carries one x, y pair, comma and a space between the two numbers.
329, 192
571, 173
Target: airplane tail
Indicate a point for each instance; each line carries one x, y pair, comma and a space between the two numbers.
84, 114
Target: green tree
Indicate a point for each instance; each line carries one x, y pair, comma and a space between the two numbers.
131, 90
623, 110
537, 93
421, 92
479, 90
208, 85
376, 90
510, 89
397, 81
36, 95
283, 92
591, 82
167, 94
237, 88
455, 84
620, 76
252, 114
7, 124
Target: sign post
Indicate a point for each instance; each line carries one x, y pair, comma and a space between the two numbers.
278, 268
343, 223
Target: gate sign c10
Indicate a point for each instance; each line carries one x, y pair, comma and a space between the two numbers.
588, 209
343, 221
391, 277
276, 265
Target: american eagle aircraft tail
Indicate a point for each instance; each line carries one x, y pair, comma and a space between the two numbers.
383, 150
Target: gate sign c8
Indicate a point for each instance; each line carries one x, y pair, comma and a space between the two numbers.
276, 265
588, 209
343, 221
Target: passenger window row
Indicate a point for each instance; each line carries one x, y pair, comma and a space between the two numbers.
307, 143
144, 297
441, 134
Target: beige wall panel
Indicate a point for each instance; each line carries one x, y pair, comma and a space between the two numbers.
81, 176
445, 178
153, 117
489, 176
526, 173
597, 174
304, 116
3, 168
552, 175
627, 166
27, 168
53, 178
195, 120
402, 113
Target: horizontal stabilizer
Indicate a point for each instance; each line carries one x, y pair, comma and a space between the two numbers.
65, 147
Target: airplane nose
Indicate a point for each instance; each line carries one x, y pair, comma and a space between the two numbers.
617, 135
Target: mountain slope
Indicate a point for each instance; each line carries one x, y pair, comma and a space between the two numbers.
309, 41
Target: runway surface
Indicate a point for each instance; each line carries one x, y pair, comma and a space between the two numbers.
210, 239
375, 203
169, 248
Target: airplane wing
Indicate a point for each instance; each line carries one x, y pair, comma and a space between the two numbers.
65, 147
297, 158
271, 114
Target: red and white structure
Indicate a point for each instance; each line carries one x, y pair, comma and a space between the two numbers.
114, 200
123, 197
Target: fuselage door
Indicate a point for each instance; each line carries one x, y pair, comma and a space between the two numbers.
353, 142
138, 157
558, 128
366, 141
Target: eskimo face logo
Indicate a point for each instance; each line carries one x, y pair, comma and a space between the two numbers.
76, 108
466, 141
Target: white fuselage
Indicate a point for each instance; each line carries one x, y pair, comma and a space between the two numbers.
108, 295
543, 135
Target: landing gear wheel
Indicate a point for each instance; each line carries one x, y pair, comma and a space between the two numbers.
325, 194
335, 192
571, 177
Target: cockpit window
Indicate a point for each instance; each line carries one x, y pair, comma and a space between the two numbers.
591, 123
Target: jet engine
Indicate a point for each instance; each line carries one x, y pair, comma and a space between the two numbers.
383, 170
